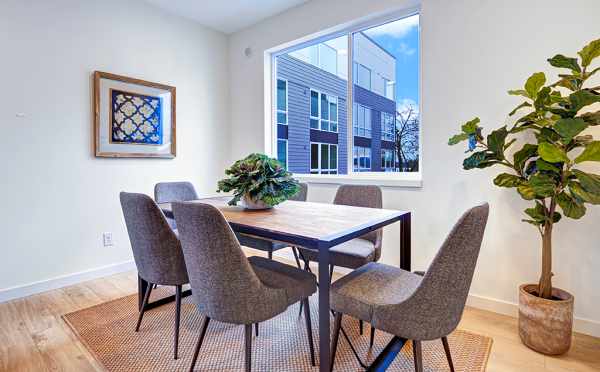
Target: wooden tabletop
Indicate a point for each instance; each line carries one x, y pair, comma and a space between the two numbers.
311, 225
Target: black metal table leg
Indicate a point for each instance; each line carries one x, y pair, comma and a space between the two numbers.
324, 333
405, 242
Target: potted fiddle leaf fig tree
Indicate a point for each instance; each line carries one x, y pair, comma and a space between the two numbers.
547, 171
259, 182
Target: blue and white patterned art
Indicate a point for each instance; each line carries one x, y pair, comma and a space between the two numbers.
136, 118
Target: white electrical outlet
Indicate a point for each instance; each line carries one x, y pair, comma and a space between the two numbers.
107, 239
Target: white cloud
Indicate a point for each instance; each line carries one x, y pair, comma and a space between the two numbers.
406, 50
395, 29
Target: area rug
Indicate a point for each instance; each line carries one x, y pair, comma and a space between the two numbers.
107, 330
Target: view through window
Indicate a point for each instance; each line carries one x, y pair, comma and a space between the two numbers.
312, 102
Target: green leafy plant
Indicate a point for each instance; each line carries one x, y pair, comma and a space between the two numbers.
546, 171
261, 178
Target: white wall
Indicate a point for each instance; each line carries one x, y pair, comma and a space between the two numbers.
57, 198
473, 51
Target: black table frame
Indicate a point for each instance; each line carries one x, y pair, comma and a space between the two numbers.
323, 261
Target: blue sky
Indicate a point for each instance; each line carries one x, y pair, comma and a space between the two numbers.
401, 39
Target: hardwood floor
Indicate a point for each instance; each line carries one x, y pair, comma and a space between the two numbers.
34, 338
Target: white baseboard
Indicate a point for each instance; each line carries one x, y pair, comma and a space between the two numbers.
12, 293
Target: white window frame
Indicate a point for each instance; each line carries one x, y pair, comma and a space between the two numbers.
390, 179
287, 96
367, 129
320, 170
319, 118
287, 156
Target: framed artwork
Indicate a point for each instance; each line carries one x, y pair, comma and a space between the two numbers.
133, 118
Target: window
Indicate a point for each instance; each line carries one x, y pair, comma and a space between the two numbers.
362, 159
342, 90
281, 102
362, 76
387, 160
323, 111
387, 127
282, 150
323, 158
361, 125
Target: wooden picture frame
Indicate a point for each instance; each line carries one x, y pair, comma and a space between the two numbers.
152, 136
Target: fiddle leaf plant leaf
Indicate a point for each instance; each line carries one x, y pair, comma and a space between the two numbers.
589, 52
591, 118
542, 184
582, 98
527, 152
496, 141
590, 182
571, 207
565, 62
578, 192
591, 153
569, 128
552, 153
526, 191
522, 105
458, 138
534, 84
508, 180
470, 127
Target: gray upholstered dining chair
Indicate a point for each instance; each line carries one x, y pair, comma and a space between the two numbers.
168, 192
411, 306
268, 245
357, 252
227, 286
156, 251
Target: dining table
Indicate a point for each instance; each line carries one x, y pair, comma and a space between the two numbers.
317, 226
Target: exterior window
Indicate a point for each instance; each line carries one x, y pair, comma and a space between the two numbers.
387, 160
328, 58
323, 111
389, 87
387, 127
362, 159
323, 158
282, 150
281, 102
364, 76
361, 125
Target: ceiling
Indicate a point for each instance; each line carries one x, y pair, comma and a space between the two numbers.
227, 16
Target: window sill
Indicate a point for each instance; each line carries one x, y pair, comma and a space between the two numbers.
385, 179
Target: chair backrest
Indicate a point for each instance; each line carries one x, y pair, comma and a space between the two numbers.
302, 194
368, 196
442, 294
167, 192
224, 285
156, 248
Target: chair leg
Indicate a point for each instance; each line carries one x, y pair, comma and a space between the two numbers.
270, 255
146, 297
448, 355
248, 344
336, 335
256, 329
199, 343
295, 252
361, 325
372, 339
309, 331
177, 318
418, 355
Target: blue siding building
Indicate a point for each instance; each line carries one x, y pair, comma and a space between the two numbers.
312, 130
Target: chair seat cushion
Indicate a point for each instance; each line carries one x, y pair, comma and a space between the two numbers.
373, 285
260, 244
351, 254
298, 284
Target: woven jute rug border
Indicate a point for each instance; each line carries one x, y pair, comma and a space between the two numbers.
107, 331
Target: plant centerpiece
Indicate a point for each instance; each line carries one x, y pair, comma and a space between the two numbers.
259, 182
547, 171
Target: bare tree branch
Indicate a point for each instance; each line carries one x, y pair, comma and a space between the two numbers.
407, 139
